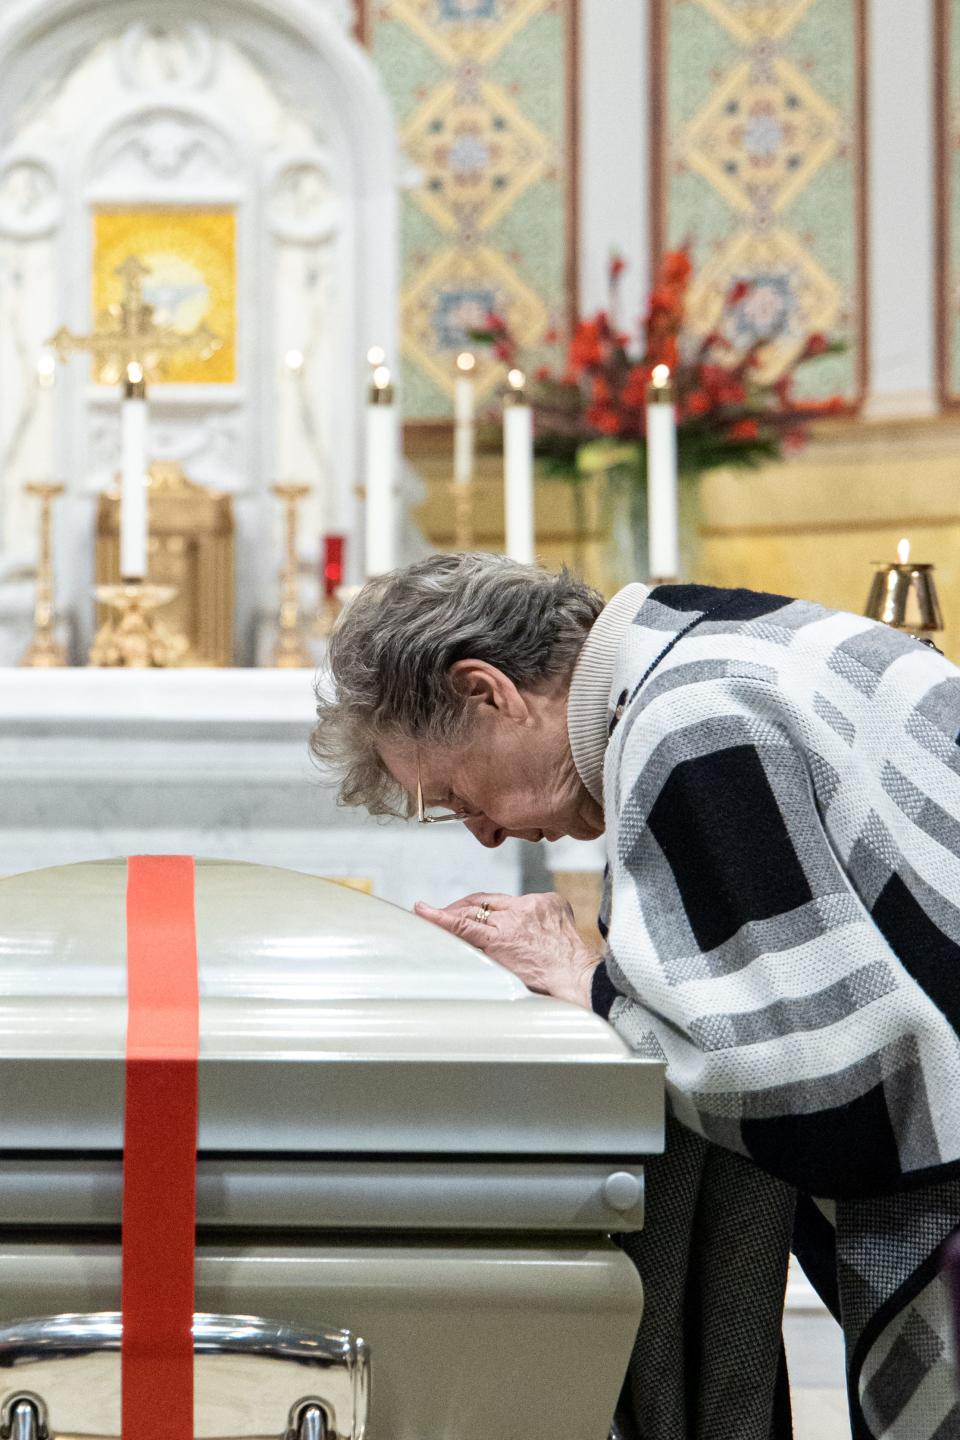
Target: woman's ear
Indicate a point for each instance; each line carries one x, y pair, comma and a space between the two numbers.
482, 684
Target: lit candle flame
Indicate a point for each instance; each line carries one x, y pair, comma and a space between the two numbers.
376, 356
134, 372
516, 379
46, 370
903, 551
661, 376
466, 362
381, 377
294, 361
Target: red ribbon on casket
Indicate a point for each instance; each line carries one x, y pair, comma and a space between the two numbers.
159, 1150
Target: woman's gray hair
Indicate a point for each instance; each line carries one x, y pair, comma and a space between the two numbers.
393, 647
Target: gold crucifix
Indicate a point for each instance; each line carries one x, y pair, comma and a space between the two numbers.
126, 334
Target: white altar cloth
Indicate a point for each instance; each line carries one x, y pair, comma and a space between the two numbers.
95, 763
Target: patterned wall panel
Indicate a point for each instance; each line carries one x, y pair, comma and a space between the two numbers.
484, 93
758, 159
948, 198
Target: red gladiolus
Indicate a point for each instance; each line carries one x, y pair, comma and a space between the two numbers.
496, 324
744, 430
816, 345
600, 391
738, 291
697, 403
617, 267
603, 418
668, 353
676, 267
585, 346
665, 300
722, 387
635, 386
506, 351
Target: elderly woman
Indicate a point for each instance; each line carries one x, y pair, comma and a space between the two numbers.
779, 789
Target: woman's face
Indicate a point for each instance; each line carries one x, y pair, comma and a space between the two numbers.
513, 775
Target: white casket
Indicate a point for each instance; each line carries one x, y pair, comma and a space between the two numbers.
409, 1171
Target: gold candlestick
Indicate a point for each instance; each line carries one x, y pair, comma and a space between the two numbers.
290, 651
44, 652
904, 596
135, 639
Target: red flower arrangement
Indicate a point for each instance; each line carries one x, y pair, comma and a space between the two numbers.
592, 415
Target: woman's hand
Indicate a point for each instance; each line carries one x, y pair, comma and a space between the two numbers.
532, 935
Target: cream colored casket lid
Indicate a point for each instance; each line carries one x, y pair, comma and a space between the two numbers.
329, 1022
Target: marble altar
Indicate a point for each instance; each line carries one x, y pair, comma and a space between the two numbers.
97, 763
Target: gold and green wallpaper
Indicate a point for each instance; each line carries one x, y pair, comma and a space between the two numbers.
758, 160
484, 95
948, 207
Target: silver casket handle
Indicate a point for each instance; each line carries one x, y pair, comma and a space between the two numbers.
254, 1379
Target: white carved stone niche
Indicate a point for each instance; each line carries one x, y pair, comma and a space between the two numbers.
269, 108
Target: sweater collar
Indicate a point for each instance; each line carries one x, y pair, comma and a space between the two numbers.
588, 714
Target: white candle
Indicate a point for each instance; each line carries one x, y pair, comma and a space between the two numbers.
664, 557
290, 428
133, 495
382, 508
45, 414
464, 419
518, 471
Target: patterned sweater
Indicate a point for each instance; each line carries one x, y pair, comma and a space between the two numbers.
782, 798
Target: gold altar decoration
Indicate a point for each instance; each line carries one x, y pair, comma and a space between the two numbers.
127, 333
134, 639
191, 548
44, 651
904, 595
190, 256
291, 651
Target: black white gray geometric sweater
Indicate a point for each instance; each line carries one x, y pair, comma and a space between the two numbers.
782, 799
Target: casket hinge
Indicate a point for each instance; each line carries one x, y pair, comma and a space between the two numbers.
309, 1424
23, 1418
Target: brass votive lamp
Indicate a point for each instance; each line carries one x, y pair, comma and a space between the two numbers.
904, 596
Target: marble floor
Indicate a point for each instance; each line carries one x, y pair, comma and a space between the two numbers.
820, 1415
815, 1361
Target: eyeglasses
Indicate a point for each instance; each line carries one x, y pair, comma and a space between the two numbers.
437, 817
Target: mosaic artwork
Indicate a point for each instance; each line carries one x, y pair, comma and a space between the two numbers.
191, 256
948, 53
758, 163
483, 94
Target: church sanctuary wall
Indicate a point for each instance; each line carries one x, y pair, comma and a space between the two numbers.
813, 525
486, 102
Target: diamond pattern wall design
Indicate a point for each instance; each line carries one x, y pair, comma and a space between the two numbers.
482, 92
759, 163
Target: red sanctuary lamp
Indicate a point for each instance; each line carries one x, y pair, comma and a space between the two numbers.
331, 581
331, 565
